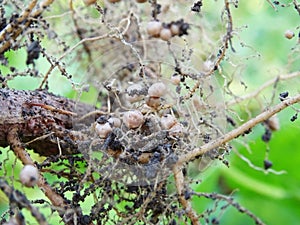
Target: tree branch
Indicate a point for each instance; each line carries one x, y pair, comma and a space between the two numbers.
39, 114
238, 131
186, 204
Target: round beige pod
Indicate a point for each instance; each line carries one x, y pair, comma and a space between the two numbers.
176, 130
174, 29
133, 119
289, 34
157, 90
176, 79
165, 34
153, 102
114, 121
133, 93
29, 175
154, 28
168, 121
103, 130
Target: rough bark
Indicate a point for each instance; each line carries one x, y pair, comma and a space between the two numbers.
43, 120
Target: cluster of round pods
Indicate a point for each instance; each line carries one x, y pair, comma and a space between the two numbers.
153, 95
166, 31
132, 119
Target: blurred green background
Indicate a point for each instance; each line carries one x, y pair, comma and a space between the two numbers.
273, 198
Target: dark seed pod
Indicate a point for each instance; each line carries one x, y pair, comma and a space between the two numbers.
187, 194
283, 95
33, 52
267, 135
197, 6
267, 164
294, 117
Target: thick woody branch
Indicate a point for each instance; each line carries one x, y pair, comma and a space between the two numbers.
42, 119
10, 27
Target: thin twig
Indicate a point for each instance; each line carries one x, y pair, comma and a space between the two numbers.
255, 93
229, 200
222, 51
67, 52
238, 131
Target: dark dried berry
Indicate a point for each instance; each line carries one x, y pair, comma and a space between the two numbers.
215, 221
197, 6
101, 119
230, 121
294, 117
267, 135
183, 30
267, 164
247, 131
33, 52
283, 95
187, 194
276, 2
